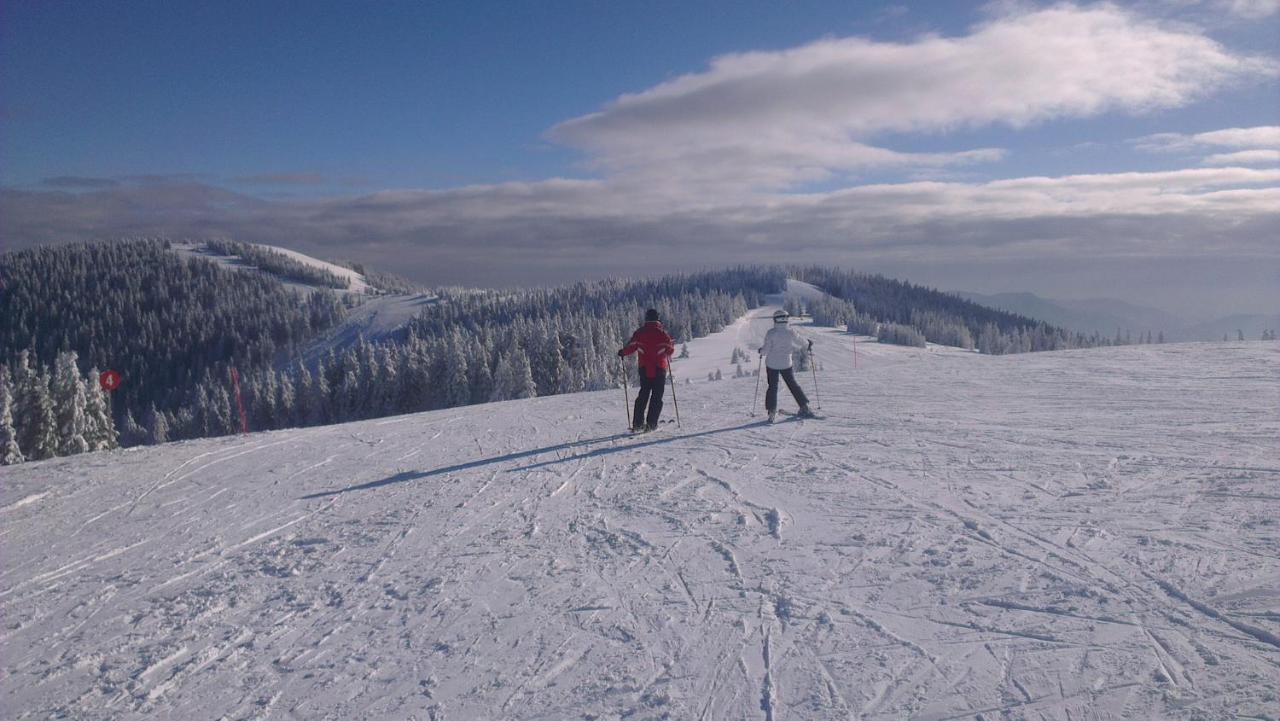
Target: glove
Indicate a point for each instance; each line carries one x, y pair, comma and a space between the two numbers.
810, 345
622, 353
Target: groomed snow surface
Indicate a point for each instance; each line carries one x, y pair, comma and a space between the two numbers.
1074, 535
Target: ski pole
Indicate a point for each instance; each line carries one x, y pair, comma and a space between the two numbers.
756, 400
626, 395
813, 366
672, 377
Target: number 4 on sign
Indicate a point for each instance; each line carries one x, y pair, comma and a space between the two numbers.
109, 380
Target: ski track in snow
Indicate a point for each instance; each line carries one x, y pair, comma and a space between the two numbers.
1073, 535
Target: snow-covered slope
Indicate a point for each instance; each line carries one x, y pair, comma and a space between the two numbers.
1084, 534
358, 284
376, 318
714, 352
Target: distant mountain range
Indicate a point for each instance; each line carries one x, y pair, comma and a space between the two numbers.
1107, 315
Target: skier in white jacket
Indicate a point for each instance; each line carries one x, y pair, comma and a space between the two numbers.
779, 342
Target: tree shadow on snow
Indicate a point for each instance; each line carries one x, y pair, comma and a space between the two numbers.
405, 476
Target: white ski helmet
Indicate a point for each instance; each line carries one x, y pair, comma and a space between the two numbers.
780, 316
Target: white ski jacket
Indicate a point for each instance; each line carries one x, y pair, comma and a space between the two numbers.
778, 344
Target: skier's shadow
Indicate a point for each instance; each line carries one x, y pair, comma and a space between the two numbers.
406, 476
631, 447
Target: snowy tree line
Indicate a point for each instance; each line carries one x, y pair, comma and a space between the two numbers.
278, 264
47, 412
472, 347
174, 327
899, 312
162, 321
382, 280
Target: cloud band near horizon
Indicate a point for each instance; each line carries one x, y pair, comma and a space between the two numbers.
711, 167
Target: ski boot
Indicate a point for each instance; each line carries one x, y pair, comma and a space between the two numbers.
773, 416
804, 412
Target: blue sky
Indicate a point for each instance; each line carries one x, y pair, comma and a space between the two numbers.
408, 95
560, 135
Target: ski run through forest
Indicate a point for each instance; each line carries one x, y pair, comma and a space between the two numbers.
1082, 534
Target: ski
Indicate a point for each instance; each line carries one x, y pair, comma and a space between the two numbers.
642, 431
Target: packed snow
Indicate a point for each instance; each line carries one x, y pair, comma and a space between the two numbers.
1074, 535
376, 319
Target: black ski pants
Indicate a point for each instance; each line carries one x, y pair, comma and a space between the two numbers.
771, 395
650, 395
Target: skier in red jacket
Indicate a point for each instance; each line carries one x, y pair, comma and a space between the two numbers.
654, 346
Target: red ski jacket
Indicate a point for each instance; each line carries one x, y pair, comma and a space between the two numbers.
654, 345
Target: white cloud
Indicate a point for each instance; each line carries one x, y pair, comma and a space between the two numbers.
695, 169
1251, 9
1264, 136
1244, 157
1251, 146
1267, 136
775, 119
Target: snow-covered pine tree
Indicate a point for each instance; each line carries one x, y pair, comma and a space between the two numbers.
502, 382
414, 378
69, 404
265, 413
102, 434
224, 412
457, 387
551, 365
302, 398
367, 374
181, 423
347, 393
523, 375
157, 426
10, 453
481, 375
131, 434
21, 377
286, 402
38, 426
319, 402
513, 378
202, 416
385, 393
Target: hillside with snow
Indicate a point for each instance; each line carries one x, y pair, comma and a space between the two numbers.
1079, 534
357, 285
376, 316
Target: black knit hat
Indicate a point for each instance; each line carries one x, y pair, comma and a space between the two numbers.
650, 315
